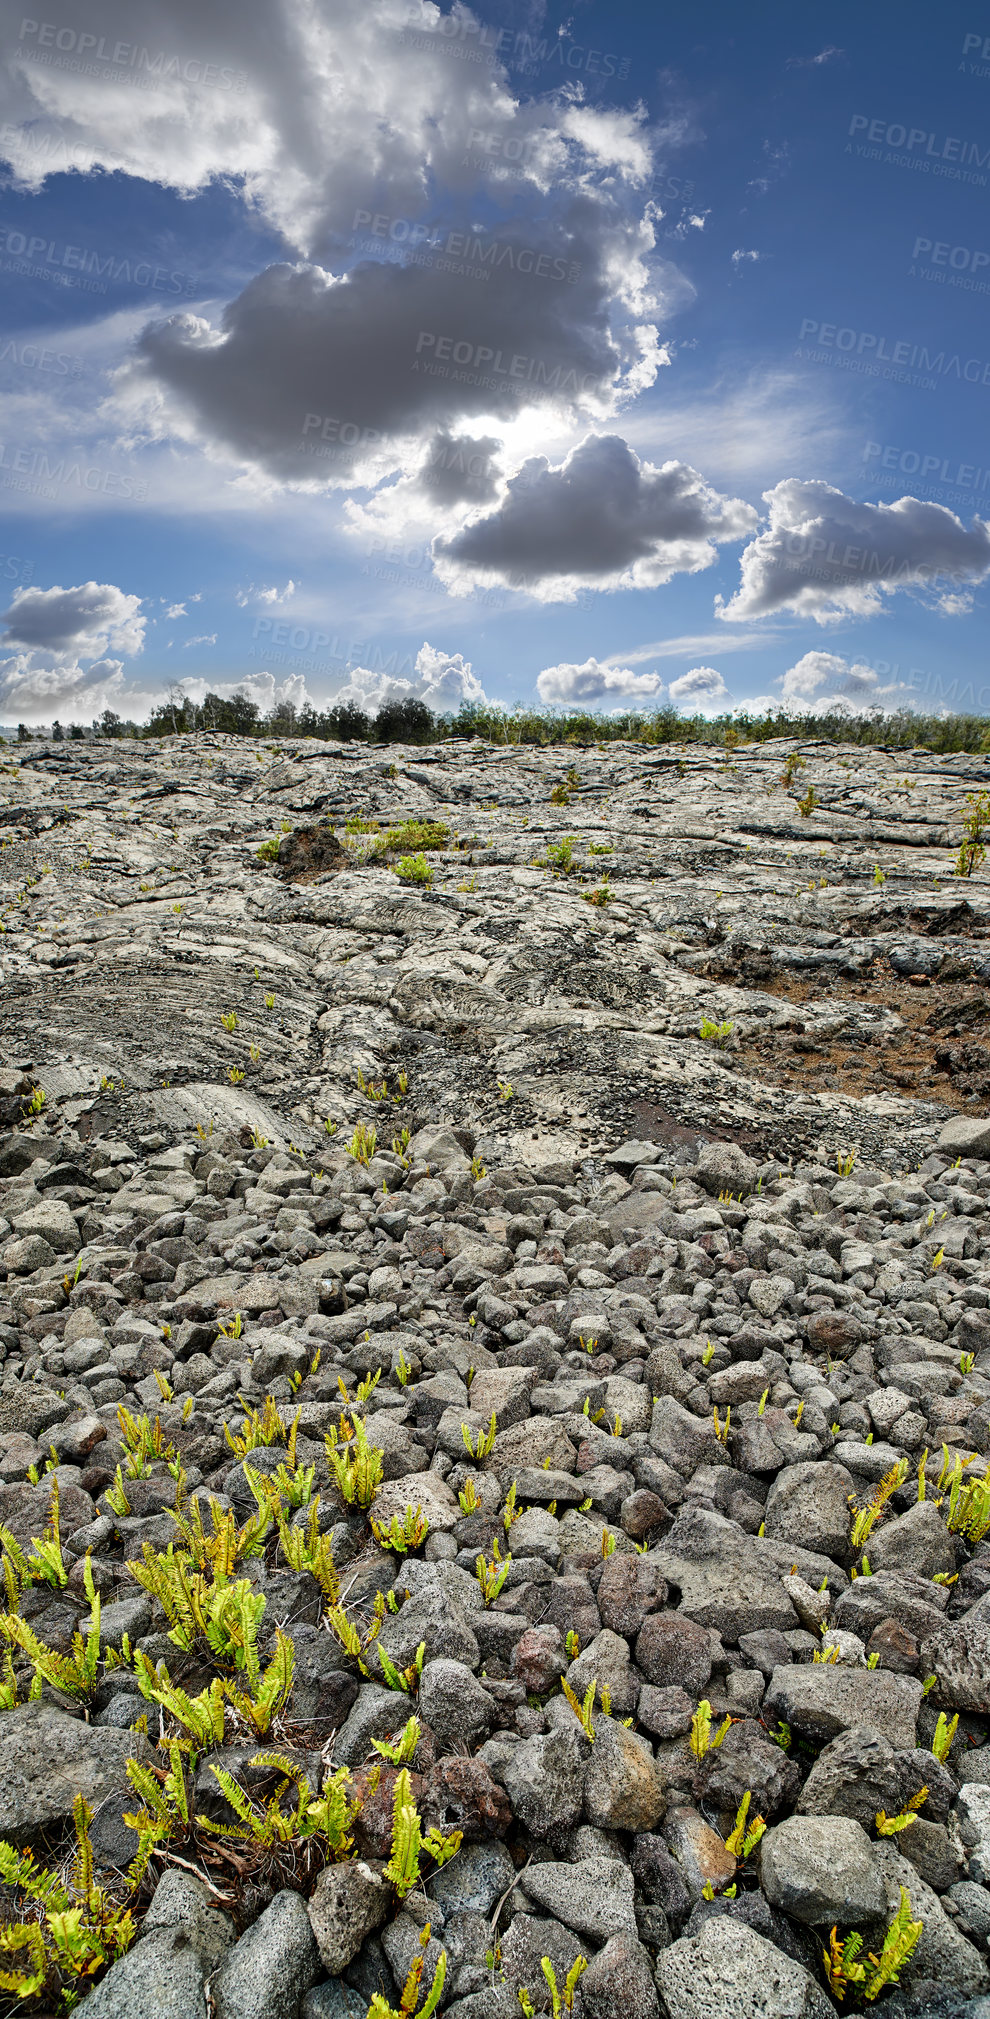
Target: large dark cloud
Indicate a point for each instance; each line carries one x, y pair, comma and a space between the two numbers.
312, 377
601, 519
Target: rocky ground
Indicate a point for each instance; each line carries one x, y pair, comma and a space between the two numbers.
713, 1298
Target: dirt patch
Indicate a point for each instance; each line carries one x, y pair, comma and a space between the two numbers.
942, 1053
650, 1123
310, 852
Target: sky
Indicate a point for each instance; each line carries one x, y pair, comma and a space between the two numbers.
616, 356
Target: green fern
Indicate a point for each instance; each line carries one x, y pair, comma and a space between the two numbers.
408, 1840
78, 1928
356, 1466
409, 2000
76, 1673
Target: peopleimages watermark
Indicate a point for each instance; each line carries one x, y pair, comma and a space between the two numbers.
88, 55
15, 568
458, 359
976, 55
52, 147
271, 638
460, 35
36, 472
821, 559
330, 439
934, 477
38, 357
949, 265
918, 148
480, 255
36, 257
890, 358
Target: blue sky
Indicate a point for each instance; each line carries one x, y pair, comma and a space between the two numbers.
366, 347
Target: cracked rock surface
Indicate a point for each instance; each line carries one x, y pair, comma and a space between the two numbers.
694, 1402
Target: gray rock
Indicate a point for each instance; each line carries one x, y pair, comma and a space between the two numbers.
619, 1982
820, 1869
453, 1703
49, 1758
859, 1772
378, 1714
348, 1902
528, 1939
593, 1897
333, 1999
725, 1579
809, 1504
729, 1972
822, 1699
918, 1540
181, 1900
474, 1880
544, 1780
973, 1809
161, 1974
624, 1789
265, 1975
966, 1137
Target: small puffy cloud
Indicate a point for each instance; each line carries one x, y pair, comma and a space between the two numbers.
204, 638
700, 688
593, 682
261, 688
175, 610
743, 258
244, 597
825, 556
826, 55
86, 621
823, 681
442, 680
601, 519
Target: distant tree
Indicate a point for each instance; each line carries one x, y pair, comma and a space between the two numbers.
77, 732
58, 733
347, 724
234, 715
283, 720
23, 733
403, 722
108, 724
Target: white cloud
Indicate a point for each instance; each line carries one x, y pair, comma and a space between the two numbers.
826, 55
701, 688
742, 258
823, 681
311, 137
61, 638
86, 621
244, 597
261, 688
601, 519
824, 556
36, 687
175, 610
443, 680
204, 638
593, 682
